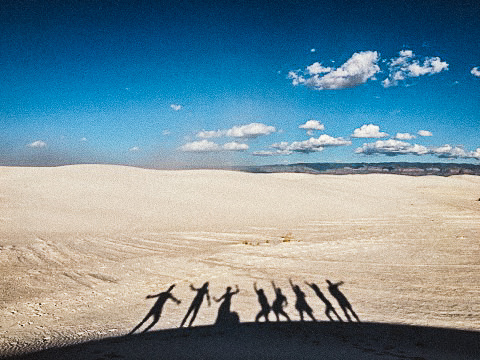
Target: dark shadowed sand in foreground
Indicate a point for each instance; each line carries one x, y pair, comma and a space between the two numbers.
82, 246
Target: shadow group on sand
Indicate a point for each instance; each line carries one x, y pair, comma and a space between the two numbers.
227, 317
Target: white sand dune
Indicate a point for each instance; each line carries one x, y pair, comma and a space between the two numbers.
81, 247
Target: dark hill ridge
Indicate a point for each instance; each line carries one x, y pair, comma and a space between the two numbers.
400, 168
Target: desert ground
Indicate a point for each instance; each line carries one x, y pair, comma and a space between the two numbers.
82, 246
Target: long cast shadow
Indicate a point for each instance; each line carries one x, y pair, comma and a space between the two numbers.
196, 303
278, 303
225, 317
328, 305
341, 299
301, 304
156, 310
264, 305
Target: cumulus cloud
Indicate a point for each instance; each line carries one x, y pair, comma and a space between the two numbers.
38, 144
407, 66
251, 131
134, 149
235, 146
404, 136
369, 131
357, 70
310, 145
176, 107
208, 134
271, 153
450, 152
210, 146
312, 125
475, 71
424, 133
392, 147
395, 147
200, 146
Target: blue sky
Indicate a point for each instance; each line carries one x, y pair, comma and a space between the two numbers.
200, 83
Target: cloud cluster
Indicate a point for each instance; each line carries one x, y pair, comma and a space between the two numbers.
38, 144
248, 131
210, 146
176, 107
357, 70
312, 125
368, 131
424, 133
475, 71
407, 66
394, 147
305, 147
363, 66
404, 136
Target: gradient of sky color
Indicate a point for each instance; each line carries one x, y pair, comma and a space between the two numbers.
201, 83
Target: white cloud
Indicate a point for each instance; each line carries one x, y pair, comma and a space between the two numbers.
424, 133
404, 136
38, 144
392, 147
317, 68
312, 125
406, 66
200, 146
368, 131
208, 134
83, 139
310, 145
313, 50
210, 146
449, 151
357, 70
134, 149
235, 146
176, 107
271, 153
166, 132
252, 130
475, 71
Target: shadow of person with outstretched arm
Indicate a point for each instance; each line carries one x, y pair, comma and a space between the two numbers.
277, 305
341, 299
262, 300
225, 316
156, 310
328, 305
196, 303
301, 304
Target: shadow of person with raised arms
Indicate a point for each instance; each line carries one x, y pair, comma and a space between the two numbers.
262, 300
196, 303
341, 299
301, 304
156, 310
328, 305
225, 316
277, 305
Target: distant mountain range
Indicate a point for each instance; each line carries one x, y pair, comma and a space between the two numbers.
401, 168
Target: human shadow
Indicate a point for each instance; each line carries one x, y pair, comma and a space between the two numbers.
265, 306
277, 305
156, 310
301, 304
196, 303
225, 316
328, 305
341, 299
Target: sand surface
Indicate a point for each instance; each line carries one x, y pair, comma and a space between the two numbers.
82, 246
